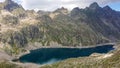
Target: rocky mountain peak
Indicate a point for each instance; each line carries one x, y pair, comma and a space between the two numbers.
10, 5
94, 6
62, 10
8, 1
107, 8
72, 29
75, 11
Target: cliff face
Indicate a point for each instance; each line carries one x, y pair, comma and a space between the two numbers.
79, 27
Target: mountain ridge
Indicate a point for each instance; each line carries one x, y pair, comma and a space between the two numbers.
23, 30
78, 27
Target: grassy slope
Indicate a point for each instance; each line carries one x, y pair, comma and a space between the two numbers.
8, 65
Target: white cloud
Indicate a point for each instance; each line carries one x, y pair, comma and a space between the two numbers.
54, 4
1, 0
18, 1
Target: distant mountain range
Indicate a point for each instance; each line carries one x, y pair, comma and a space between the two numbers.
79, 27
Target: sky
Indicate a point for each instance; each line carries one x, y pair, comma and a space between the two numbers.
50, 5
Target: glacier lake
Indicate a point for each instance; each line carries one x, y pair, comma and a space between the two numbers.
52, 55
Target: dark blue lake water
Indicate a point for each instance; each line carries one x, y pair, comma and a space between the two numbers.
52, 55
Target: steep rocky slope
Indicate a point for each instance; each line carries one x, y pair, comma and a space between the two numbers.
20, 28
79, 27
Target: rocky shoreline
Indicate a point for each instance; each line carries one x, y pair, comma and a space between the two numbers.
16, 58
38, 47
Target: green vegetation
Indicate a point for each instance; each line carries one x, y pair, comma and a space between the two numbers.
79, 27
62, 30
8, 65
10, 20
